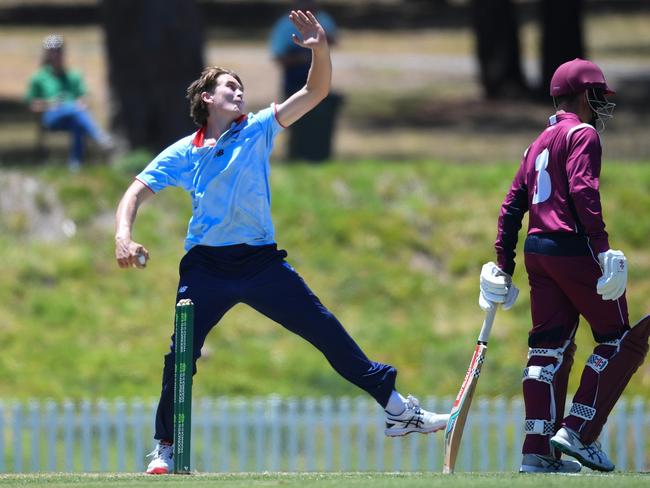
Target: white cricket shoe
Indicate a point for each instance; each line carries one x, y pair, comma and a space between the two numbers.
163, 459
592, 455
414, 419
536, 463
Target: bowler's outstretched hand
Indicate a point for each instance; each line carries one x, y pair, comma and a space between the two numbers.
312, 35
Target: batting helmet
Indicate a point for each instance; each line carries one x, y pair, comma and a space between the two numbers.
577, 76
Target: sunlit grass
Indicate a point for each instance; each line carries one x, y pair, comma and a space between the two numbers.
356, 480
393, 249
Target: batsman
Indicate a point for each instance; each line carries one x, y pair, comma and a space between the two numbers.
572, 271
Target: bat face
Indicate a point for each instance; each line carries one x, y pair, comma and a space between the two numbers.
460, 409
471, 375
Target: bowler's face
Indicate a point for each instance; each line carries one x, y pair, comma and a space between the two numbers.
228, 95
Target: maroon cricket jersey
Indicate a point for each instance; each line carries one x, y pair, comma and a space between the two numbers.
557, 183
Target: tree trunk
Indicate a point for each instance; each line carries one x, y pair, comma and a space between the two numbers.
497, 44
155, 50
561, 36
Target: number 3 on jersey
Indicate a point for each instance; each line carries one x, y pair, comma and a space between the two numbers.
543, 187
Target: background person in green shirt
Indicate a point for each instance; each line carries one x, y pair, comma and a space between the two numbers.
57, 93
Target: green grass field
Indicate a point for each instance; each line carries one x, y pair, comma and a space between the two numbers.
393, 249
353, 480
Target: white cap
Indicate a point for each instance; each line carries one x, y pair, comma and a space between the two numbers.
53, 41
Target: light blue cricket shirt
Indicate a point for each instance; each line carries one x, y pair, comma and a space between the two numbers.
228, 181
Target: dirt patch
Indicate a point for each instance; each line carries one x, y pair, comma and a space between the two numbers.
30, 209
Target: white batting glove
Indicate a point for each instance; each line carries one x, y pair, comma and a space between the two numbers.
611, 285
496, 287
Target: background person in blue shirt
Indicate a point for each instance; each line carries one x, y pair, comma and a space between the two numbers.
311, 137
231, 255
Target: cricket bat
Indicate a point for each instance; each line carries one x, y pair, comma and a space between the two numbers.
460, 409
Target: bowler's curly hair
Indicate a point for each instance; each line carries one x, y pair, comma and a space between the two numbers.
206, 83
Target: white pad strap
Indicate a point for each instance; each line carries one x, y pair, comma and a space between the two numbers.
549, 353
539, 426
597, 363
582, 411
544, 374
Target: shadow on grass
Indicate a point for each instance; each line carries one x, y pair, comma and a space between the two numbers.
19, 138
421, 110
506, 116
14, 110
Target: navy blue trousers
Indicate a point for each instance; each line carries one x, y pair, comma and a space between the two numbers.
217, 278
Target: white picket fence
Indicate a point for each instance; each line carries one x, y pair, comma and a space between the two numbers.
283, 434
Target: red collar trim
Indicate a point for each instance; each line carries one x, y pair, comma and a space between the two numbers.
275, 113
199, 137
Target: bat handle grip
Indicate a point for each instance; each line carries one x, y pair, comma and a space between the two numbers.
487, 324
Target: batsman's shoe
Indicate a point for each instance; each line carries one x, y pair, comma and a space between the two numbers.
163, 459
591, 455
535, 463
414, 419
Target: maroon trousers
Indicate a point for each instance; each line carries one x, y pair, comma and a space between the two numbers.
561, 289
564, 287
